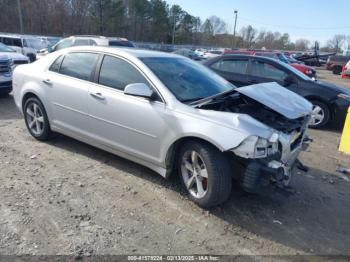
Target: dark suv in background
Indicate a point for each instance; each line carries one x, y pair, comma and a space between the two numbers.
336, 63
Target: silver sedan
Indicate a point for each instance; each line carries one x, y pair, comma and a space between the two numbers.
167, 113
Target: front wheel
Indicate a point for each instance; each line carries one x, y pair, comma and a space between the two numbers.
36, 119
320, 114
205, 173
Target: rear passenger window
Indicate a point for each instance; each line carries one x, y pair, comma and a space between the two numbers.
267, 70
55, 67
79, 65
17, 42
117, 73
231, 66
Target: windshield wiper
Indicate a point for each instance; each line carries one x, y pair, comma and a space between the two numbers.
201, 102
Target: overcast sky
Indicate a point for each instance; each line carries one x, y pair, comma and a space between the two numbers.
311, 19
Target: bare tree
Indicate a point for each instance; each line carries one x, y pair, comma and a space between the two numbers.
302, 44
248, 35
336, 43
219, 26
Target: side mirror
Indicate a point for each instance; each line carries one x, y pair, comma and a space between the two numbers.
288, 80
139, 89
50, 49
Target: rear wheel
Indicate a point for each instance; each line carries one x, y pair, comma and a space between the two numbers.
337, 70
36, 119
320, 114
205, 173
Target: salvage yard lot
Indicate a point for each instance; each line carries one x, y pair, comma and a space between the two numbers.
65, 197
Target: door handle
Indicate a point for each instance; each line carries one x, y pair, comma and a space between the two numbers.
47, 81
253, 82
98, 96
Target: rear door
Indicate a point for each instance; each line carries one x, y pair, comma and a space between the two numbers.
263, 71
67, 83
233, 70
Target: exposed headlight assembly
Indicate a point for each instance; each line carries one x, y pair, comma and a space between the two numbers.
257, 147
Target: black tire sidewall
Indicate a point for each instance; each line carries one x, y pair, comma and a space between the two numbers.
218, 171
47, 130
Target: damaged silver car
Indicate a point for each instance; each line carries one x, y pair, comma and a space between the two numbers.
168, 113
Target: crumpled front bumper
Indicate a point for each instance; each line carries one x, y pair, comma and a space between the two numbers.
276, 168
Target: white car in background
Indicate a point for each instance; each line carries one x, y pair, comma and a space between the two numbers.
212, 53
346, 70
200, 52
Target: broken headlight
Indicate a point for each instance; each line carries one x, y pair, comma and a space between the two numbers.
257, 147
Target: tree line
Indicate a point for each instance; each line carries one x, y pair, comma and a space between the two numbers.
140, 20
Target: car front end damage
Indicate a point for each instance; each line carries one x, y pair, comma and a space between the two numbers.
271, 160
275, 121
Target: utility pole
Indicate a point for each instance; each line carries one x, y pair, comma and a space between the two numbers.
174, 27
20, 16
234, 30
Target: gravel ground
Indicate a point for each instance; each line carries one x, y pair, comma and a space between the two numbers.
65, 197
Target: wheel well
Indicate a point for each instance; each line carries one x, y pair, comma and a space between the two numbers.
26, 97
174, 149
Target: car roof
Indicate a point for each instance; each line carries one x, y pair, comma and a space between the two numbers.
16, 36
248, 56
138, 53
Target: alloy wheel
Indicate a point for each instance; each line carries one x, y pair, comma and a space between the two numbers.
194, 174
35, 118
318, 115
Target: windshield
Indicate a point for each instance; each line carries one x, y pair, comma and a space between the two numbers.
34, 43
187, 80
283, 58
5, 48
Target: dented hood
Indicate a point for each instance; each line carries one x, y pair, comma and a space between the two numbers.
278, 98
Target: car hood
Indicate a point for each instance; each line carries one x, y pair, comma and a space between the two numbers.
278, 98
335, 88
13, 56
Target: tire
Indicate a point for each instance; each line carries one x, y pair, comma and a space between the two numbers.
212, 172
38, 116
337, 70
323, 121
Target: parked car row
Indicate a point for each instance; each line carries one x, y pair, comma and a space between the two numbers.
22, 49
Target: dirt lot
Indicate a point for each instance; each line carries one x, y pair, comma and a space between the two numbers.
65, 197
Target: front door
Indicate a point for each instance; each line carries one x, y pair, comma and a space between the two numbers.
133, 125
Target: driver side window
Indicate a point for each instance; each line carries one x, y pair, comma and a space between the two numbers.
266, 70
